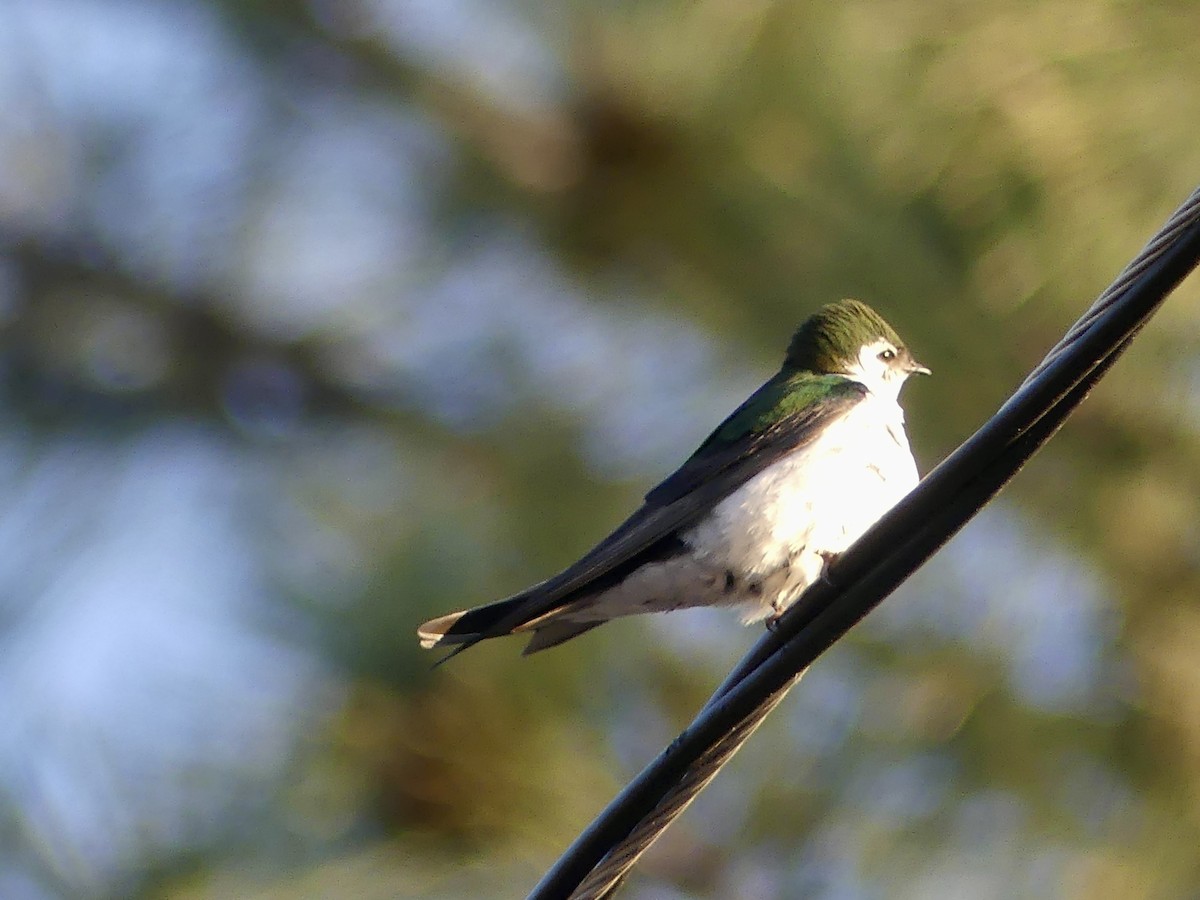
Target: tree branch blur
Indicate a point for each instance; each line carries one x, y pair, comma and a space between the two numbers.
202, 345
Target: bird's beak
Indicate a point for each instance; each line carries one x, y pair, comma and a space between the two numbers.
915, 368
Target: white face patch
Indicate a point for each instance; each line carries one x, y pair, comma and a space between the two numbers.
880, 368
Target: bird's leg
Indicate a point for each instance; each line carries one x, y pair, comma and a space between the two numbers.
778, 608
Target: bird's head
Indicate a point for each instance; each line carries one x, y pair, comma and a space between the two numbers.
849, 338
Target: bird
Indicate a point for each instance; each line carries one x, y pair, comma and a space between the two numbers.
773, 495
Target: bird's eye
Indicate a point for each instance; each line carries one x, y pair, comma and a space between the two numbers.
887, 355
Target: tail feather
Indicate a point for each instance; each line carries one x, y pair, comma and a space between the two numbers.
553, 634
468, 627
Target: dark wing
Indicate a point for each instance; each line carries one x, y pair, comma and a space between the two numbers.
782, 416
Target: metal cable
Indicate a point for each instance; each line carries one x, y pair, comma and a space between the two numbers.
609, 874
607, 877
596, 864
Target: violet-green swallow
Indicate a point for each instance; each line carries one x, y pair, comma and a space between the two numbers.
794, 476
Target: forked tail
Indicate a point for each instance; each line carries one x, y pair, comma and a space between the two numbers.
468, 627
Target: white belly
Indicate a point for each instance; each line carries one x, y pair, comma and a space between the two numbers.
767, 541
813, 503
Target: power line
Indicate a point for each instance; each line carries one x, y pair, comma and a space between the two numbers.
597, 862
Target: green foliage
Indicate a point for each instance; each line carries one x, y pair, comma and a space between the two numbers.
452, 296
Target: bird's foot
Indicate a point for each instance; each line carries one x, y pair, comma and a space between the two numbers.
828, 558
777, 611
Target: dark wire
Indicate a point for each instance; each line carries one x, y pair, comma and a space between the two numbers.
599, 859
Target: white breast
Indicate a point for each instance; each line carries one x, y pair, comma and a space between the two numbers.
812, 503
767, 541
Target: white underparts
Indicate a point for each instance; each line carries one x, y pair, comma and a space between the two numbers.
768, 540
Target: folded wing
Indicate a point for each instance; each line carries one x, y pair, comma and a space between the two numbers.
782, 416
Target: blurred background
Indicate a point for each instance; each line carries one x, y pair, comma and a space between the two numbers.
321, 318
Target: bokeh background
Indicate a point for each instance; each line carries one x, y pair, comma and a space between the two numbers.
321, 318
